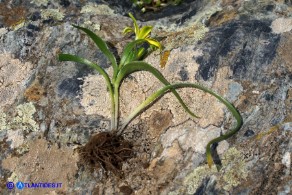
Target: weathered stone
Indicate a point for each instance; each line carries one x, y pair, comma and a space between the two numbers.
38, 166
14, 75
239, 49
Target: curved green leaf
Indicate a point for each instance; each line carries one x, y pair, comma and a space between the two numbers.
154, 43
136, 27
102, 46
143, 66
128, 30
168, 88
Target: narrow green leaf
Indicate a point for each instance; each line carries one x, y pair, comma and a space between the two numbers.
143, 66
128, 30
136, 27
168, 88
102, 46
140, 53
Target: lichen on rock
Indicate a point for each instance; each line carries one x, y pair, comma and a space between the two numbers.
39, 2
13, 178
43, 163
281, 25
193, 180
97, 9
3, 123
243, 54
234, 168
55, 14
92, 26
13, 77
24, 119
95, 98
16, 137
3, 31
16, 126
22, 123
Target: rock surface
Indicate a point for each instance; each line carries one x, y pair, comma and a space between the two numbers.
240, 49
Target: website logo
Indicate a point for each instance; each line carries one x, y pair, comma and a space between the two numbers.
20, 185
10, 185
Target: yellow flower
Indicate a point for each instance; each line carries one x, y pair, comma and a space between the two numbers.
142, 33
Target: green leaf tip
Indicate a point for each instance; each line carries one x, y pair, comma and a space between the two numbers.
209, 160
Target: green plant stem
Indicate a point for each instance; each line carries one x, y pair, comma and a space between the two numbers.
113, 120
116, 102
168, 88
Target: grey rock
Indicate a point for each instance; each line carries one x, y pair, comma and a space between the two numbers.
242, 54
